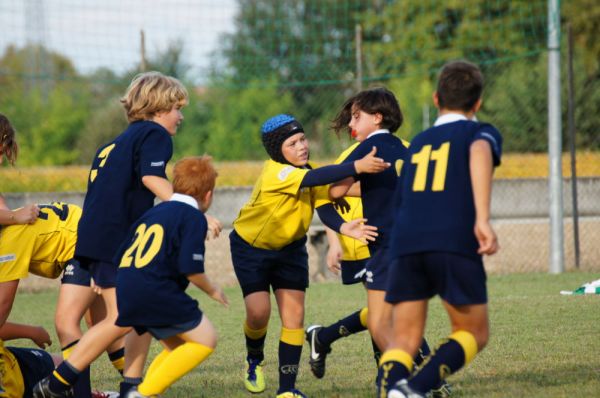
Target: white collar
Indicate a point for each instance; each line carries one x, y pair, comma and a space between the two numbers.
449, 118
381, 131
178, 197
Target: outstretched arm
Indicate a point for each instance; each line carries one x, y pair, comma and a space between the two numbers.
25, 215
481, 170
213, 291
159, 186
37, 334
8, 291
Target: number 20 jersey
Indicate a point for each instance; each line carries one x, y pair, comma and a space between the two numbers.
435, 208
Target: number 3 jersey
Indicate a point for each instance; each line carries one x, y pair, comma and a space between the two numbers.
116, 196
164, 246
435, 208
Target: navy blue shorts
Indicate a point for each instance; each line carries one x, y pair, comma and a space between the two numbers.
74, 274
354, 271
104, 274
164, 332
457, 279
377, 269
35, 365
258, 270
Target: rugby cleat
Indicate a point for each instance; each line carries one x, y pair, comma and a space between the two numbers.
254, 378
291, 394
318, 351
42, 390
134, 393
402, 390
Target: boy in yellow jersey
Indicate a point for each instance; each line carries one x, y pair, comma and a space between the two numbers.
349, 256
21, 368
268, 244
45, 248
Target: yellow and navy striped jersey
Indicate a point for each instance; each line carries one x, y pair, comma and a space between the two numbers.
41, 248
11, 378
279, 211
352, 249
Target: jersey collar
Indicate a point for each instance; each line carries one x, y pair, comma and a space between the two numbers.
449, 118
177, 197
381, 131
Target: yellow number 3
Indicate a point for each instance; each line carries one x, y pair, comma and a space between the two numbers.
146, 245
422, 159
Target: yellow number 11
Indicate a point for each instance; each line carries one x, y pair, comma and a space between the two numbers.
422, 159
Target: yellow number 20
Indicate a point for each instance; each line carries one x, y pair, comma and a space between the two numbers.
422, 159
145, 246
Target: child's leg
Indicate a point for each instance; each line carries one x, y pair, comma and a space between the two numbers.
408, 319
180, 358
291, 311
136, 352
73, 302
115, 351
351, 324
90, 346
258, 312
379, 317
470, 331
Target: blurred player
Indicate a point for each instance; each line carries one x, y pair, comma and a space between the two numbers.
268, 244
9, 150
164, 252
442, 228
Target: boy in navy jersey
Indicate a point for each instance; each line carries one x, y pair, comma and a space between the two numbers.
373, 116
126, 176
163, 252
441, 230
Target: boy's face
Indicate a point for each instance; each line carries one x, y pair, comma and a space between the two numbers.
170, 120
363, 123
295, 150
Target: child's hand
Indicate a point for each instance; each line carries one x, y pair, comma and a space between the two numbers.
334, 256
26, 215
370, 163
40, 337
214, 227
488, 242
357, 229
219, 296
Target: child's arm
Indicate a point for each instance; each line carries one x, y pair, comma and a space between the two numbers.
334, 253
332, 173
25, 215
481, 169
213, 291
356, 228
37, 334
8, 291
159, 186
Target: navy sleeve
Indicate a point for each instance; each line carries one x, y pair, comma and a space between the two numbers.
330, 217
328, 174
154, 153
490, 134
191, 252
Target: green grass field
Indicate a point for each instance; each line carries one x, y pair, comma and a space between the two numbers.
542, 344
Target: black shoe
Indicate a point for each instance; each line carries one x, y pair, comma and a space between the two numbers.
42, 390
318, 351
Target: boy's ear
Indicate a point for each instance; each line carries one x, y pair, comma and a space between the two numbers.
207, 200
436, 100
477, 105
378, 118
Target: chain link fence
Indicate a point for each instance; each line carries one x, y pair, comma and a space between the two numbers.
64, 64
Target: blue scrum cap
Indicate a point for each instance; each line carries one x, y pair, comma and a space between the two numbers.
275, 131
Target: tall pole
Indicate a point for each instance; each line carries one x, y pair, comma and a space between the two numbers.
572, 147
358, 55
557, 264
143, 61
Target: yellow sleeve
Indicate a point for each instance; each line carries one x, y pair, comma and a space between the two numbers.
282, 178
